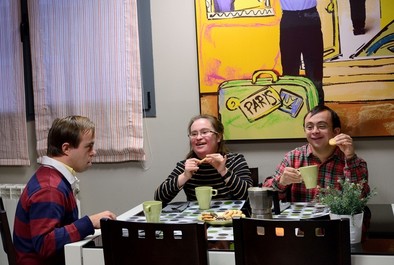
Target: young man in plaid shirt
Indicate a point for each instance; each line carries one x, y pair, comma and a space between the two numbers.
335, 161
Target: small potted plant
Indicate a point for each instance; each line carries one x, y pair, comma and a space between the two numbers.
347, 201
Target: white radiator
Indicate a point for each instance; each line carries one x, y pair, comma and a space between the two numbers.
10, 194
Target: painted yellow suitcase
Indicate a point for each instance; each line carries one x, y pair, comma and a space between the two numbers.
267, 107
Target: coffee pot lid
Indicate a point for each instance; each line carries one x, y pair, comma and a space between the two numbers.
260, 189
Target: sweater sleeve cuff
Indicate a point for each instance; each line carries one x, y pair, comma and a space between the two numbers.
84, 226
228, 174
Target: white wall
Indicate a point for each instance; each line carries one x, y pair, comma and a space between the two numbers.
119, 187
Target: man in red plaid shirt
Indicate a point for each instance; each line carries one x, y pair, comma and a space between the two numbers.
329, 149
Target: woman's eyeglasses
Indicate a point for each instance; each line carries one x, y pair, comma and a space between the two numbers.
203, 133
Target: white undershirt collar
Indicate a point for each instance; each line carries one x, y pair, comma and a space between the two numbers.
62, 168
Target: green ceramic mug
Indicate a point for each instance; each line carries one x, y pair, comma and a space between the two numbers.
204, 195
152, 211
309, 176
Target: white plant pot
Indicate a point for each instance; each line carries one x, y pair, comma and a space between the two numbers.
356, 224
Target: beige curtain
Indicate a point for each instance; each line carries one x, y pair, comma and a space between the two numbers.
85, 58
13, 128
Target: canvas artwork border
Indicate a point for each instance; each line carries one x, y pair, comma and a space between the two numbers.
240, 71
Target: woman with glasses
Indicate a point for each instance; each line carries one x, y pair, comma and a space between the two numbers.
328, 148
209, 163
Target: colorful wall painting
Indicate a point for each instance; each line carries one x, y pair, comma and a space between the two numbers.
240, 72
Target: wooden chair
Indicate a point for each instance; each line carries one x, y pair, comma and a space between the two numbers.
299, 242
153, 243
6, 235
254, 175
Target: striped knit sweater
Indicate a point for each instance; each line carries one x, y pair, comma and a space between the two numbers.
235, 189
46, 219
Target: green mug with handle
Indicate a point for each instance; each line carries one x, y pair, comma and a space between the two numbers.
152, 211
204, 196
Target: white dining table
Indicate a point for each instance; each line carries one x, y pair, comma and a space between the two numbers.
79, 254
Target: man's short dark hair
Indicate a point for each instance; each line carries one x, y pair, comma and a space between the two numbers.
336, 122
